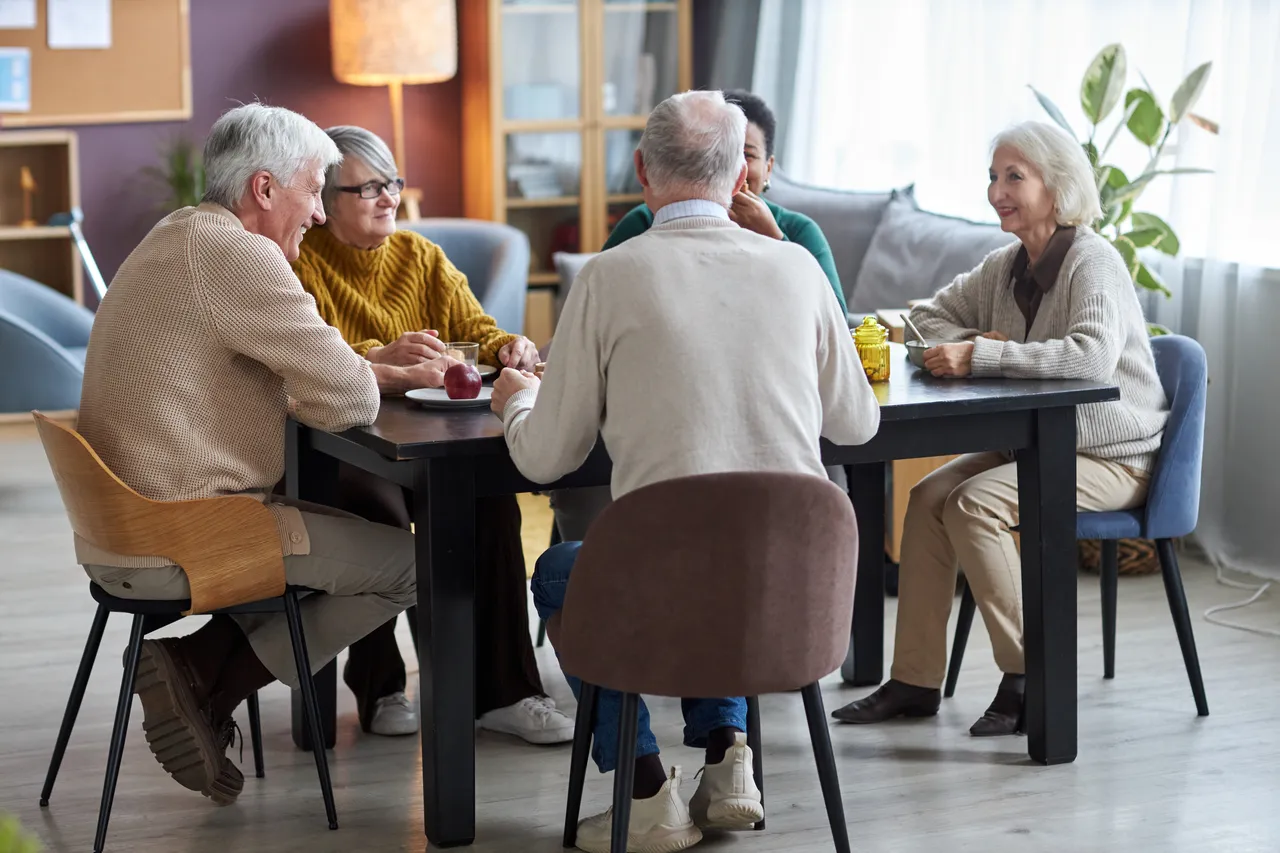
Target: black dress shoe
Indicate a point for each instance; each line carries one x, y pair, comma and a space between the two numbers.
892, 699
1006, 716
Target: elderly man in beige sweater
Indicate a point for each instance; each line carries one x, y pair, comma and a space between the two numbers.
204, 344
659, 350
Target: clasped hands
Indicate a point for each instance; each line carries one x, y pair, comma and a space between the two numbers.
422, 355
955, 360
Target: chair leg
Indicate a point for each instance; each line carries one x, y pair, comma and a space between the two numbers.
826, 761
73, 701
310, 702
964, 621
624, 773
1108, 578
255, 734
757, 749
118, 732
542, 633
583, 728
1182, 621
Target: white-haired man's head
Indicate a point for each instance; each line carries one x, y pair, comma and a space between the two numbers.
267, 165
692, 148
1041, 179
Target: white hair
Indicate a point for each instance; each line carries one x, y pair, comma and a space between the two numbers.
363, 145
1063, 166
692, 143
253, 138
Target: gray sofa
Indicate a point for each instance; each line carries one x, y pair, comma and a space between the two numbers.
887, 250
43, 337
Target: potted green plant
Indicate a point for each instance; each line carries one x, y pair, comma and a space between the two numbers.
1153, 125
179, 180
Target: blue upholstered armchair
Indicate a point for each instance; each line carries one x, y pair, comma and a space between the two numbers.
495, 259
43, 336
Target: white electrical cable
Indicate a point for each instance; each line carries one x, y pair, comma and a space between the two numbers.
1258, 592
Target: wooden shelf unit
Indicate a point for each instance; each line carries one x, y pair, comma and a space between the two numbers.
44, 253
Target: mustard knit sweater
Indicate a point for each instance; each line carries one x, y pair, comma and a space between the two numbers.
372, 296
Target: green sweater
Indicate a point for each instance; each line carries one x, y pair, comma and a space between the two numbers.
795, 227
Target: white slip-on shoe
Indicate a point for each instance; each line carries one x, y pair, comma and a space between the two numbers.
727, 795
660, 824
393, 716
535, 720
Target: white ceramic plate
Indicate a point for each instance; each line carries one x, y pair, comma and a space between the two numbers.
486, 370
436, 398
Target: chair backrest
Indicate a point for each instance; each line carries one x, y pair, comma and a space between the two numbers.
1173, 502
229, 547
493, 256
45, 309
729, 584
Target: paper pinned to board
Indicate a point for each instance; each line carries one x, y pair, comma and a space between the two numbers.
15, 80
17, 14
79, 24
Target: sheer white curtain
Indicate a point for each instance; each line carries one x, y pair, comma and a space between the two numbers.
912, 91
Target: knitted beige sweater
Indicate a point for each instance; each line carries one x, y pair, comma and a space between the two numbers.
1089, 326
203, 343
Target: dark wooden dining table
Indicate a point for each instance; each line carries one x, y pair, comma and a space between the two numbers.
448, 459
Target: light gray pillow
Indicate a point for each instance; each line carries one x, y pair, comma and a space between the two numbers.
914, 254
847, 219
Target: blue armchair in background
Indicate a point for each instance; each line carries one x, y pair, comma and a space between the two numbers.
495, 259
43, 337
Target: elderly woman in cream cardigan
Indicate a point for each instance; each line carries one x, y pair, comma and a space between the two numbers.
1058, 303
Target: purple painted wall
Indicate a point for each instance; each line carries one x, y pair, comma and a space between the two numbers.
278, 52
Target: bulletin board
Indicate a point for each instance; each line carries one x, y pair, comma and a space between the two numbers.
144, 76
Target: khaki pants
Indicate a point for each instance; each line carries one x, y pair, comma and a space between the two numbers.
962, 514
366, 569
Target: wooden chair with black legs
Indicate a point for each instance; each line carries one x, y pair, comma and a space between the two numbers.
229, 549
731, 584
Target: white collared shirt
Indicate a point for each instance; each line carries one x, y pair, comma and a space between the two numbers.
690, 207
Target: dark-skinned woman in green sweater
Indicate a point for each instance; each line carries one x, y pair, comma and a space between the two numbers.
750, 210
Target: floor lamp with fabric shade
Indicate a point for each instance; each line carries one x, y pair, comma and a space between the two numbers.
392, 43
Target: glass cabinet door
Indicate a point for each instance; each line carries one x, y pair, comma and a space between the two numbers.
641, 56
541, 67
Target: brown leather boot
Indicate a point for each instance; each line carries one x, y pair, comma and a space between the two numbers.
892, 699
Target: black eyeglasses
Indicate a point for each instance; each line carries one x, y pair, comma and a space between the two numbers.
373, 189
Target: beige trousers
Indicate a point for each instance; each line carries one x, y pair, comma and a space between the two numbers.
366, 569
962, 514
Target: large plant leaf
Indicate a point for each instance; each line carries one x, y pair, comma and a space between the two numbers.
1168, 242
1054, 113
1144, 237
1145, 277
1188, 93
1203, 123
1135, 187
1129, 109
1103, 83
1112, 179
1129, 252
1145, 118
1091, 151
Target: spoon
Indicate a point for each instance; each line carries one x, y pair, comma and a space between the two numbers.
914, 330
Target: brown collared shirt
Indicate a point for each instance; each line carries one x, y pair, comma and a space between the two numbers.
1032, 281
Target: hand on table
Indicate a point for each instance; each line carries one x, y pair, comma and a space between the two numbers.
520, 354
751, 213
994, 336
408, 349
509, 383
426, 374
949, 360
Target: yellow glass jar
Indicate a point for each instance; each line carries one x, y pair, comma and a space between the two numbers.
872, 341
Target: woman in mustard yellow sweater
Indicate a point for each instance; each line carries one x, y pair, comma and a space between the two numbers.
394, 296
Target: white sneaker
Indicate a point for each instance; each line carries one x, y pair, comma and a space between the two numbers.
393, 716
535, 720
727, 795
660, 824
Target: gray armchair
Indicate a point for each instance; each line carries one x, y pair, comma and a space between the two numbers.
495, 259
43, 337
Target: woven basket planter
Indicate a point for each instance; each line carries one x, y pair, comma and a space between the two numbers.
1136, 556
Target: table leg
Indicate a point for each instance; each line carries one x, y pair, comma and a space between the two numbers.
864, 664
1047, 519
445, 519
312, 476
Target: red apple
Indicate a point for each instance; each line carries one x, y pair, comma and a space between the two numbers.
462, 382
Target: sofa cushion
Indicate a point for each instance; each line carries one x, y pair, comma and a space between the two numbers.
847, 219
568, 265
914, 254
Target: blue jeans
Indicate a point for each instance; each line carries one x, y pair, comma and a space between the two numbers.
701, 716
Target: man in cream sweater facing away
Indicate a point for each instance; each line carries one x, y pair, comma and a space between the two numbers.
696, 348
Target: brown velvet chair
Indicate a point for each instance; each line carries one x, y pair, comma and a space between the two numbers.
730, 584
